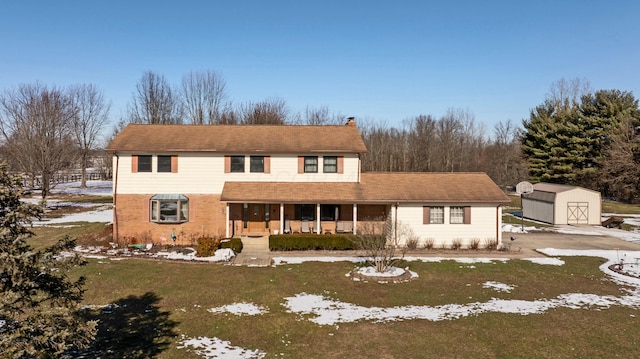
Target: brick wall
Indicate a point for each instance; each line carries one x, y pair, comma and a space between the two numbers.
132, 225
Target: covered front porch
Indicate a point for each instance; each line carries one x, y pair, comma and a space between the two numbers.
259, 219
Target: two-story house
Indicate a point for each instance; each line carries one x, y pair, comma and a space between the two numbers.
184, 181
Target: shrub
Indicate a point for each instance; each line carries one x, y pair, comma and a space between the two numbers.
412, 244
456, 244
234, 243
304, 242
428, 243
474, 244
490, 244
207, 246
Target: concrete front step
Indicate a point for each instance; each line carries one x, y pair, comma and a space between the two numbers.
253, 259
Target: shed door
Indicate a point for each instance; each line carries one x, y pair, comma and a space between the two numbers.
578, 212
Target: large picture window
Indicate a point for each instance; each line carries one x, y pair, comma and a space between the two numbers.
144, 163
256, 164
237, 163
330, 164
169, 208
310, 164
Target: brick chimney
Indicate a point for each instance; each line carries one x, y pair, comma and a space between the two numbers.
351, 121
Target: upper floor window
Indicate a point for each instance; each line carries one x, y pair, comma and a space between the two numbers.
237, 164
256, 164
310, 164
164, 163
144, 163
330, 164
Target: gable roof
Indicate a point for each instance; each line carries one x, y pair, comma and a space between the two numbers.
238, 139
437, 188
558, 188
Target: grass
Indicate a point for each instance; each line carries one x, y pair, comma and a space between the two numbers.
620, 208
156, 302
173, 298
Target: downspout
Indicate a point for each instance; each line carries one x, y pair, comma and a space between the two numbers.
395, 226
498, 241
115, 198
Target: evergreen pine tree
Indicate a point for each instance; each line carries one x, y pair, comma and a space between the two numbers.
39, 302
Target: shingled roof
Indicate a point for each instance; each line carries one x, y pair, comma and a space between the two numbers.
238, 139
374, 188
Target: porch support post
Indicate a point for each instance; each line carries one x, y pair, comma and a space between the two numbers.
227, 220
355, 218
281, 218
318, 229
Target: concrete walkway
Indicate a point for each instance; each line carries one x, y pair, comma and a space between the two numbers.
255, 252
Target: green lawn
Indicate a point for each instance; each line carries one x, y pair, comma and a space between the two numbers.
159, 301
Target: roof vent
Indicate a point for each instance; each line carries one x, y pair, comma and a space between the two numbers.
351, 121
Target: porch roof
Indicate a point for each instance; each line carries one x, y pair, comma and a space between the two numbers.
374, 188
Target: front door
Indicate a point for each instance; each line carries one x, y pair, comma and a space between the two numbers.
256, 218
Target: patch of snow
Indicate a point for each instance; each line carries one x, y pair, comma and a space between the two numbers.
545, 261
390, 272
240, 309
103, 214
299, 260
94, 188
513, 228
499, 287
220, 349
324, 311
220, 255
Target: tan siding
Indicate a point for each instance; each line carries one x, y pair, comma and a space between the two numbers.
483, 226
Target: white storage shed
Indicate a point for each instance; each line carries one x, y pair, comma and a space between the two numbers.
562, 204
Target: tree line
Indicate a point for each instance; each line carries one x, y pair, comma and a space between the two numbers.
586, 138
576, 136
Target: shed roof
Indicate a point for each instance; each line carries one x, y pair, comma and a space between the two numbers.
238, 139
374, 188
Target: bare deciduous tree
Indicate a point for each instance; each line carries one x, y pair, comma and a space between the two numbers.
154, 101
37, 128
565, 93
91, 115
320, 116
203, 94
269, 112
504, 161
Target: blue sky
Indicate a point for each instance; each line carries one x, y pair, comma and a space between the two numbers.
376, 60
